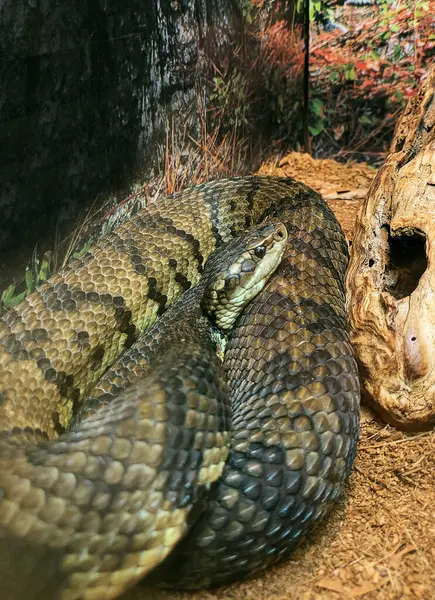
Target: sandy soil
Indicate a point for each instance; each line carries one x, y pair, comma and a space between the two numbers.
379, 542
343, 186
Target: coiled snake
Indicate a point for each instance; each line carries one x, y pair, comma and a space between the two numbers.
75, 512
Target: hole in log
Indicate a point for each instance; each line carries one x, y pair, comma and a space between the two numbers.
407, 261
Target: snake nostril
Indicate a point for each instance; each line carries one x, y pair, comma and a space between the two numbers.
280, 234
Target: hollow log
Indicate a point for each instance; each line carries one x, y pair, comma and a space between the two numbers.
391, 276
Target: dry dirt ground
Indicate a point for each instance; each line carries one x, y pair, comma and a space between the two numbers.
379, 542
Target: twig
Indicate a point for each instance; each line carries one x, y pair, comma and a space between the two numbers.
371, 478
77, 233
378, 129
418, 436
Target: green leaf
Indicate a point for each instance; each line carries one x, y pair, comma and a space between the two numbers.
365, 120
17, 299
82, 251
315, 7
45, 270
7, 294
30, 280
316, 129
247, 13
349, 72
318, 107
397, 52
10, 301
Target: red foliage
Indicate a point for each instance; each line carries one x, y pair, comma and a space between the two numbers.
283, 48
390, 51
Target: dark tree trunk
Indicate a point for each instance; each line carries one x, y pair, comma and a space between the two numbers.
85, 91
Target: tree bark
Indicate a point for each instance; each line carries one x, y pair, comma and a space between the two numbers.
391, 276
86, 92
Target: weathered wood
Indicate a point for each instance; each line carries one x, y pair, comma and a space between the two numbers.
391, 276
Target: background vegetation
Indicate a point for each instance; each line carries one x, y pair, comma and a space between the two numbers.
365, 60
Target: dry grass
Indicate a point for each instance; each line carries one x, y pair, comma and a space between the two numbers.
214, 155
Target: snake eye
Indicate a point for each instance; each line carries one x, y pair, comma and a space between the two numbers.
260, 251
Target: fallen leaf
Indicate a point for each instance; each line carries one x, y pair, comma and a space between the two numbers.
361, 590
334, 585
396, 559
338, 132
346, 195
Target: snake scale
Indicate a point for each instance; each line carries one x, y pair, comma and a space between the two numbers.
77, 502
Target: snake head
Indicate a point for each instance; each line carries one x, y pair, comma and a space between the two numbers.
240, 270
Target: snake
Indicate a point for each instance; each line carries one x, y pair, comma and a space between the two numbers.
90, 506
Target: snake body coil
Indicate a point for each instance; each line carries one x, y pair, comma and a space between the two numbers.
292, 380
